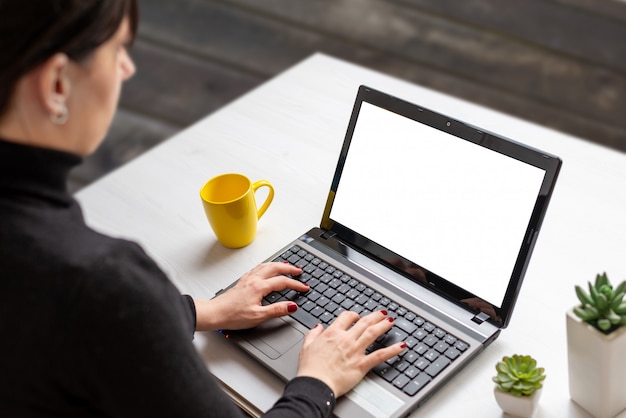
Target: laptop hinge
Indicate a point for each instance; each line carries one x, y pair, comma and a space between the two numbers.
480, 318
328, 234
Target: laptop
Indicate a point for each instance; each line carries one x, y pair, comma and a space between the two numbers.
429, 218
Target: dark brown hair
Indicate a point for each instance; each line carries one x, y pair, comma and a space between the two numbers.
31, 31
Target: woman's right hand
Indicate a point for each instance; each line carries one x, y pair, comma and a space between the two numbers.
336, 355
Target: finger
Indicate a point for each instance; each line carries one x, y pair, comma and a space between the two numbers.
274, 269
278, 309
313, 333
283, 282
366, 336
367, 321
383, 354
345, 320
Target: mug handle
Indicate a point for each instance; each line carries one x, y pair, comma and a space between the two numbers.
270, 196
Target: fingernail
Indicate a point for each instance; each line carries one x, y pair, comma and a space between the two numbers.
403, 345
384, 312
390, 319
292, 307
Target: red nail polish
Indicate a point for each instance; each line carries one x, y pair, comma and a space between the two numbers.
384, 312
292, 307
403, 345
390, 319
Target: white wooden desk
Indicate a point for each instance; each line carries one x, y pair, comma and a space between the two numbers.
290, 131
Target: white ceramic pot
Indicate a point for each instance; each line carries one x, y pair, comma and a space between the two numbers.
518, 406
597, 367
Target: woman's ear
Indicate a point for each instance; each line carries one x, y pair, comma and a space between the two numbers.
53, 86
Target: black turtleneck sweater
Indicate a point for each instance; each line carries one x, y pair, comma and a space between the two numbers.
89, 325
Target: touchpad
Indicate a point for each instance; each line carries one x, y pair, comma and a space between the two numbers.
274, 337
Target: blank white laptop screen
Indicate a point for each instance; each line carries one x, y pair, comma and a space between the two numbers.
454, 207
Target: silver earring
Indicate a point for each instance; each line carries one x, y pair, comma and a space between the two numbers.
61, 118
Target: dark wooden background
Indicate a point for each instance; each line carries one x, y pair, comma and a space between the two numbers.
560, 63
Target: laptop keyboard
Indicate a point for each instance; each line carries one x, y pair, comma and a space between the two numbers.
430, 348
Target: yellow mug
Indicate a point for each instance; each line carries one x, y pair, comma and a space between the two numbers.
230, 206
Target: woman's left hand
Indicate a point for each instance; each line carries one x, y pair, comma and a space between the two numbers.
240, 307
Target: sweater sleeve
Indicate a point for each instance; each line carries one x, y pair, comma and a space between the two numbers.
188, 301
304, 397
136, 357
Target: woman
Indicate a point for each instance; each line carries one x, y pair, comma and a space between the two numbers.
90, 325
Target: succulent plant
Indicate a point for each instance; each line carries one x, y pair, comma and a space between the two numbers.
519, 375
603, 307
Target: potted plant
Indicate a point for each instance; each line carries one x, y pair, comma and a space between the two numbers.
596, 345
518, 385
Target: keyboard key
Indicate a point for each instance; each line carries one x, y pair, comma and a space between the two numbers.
393, 336
316, 312
273, 297
461, 346
314, 295
317, 273
417, 384
401, 366
405, 325
422, 364
450, 339
411, 342
441, 346
386, 371
452, 353
412, 372
371, 305
331, 307
421, 348
305, 318
401, 381
420, 334
429, 327
437, 366
337, 298
326, 278
347, 304
335, 283
431, 355
308, 305
326, 317
361, 299
410, 356
431, 340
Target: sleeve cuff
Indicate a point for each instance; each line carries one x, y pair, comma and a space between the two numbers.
317, 391
192, 312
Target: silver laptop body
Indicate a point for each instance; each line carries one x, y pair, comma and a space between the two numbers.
438, 217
